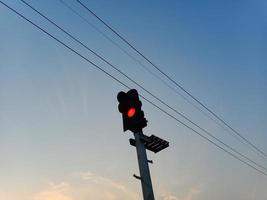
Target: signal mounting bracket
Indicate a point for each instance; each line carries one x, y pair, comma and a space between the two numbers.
152, 143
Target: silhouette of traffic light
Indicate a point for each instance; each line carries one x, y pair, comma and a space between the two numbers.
132, 114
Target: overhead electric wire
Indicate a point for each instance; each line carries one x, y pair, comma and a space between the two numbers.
174, 82
114, 78
139, 85
147, 69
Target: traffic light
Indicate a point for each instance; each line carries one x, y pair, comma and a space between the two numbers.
132, 115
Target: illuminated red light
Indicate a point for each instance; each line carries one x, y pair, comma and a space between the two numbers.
131, 112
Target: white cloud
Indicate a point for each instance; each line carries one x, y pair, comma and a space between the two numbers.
191, 194
106, 188
89, 176
170, 197
59, 187
54, 192
88, 186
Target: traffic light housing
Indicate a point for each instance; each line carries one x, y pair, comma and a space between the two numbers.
132, 114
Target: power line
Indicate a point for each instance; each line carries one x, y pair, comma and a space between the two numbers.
154, 74
120, 47
173, 81
148, 70
139, 85
114, 78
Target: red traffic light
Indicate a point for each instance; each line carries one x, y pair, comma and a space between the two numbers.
130, 108
131, 112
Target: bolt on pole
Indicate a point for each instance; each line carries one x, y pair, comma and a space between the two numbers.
143, 168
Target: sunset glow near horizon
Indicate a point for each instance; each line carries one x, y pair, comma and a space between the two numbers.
61, 134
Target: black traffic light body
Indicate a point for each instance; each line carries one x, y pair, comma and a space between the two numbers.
132, 114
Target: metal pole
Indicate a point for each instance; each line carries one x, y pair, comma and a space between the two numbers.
143, 168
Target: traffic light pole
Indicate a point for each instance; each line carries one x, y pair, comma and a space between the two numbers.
143, 168
134, 120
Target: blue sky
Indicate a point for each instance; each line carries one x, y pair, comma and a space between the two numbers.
61, 133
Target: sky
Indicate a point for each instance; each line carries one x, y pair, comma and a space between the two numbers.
61, 134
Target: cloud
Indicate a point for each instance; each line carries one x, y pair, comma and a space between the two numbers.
89, 176
59, 187
54, 192
89, 185
86, 186
106, 188
170, 197
191, 194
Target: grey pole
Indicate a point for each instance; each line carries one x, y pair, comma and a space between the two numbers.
143, 168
